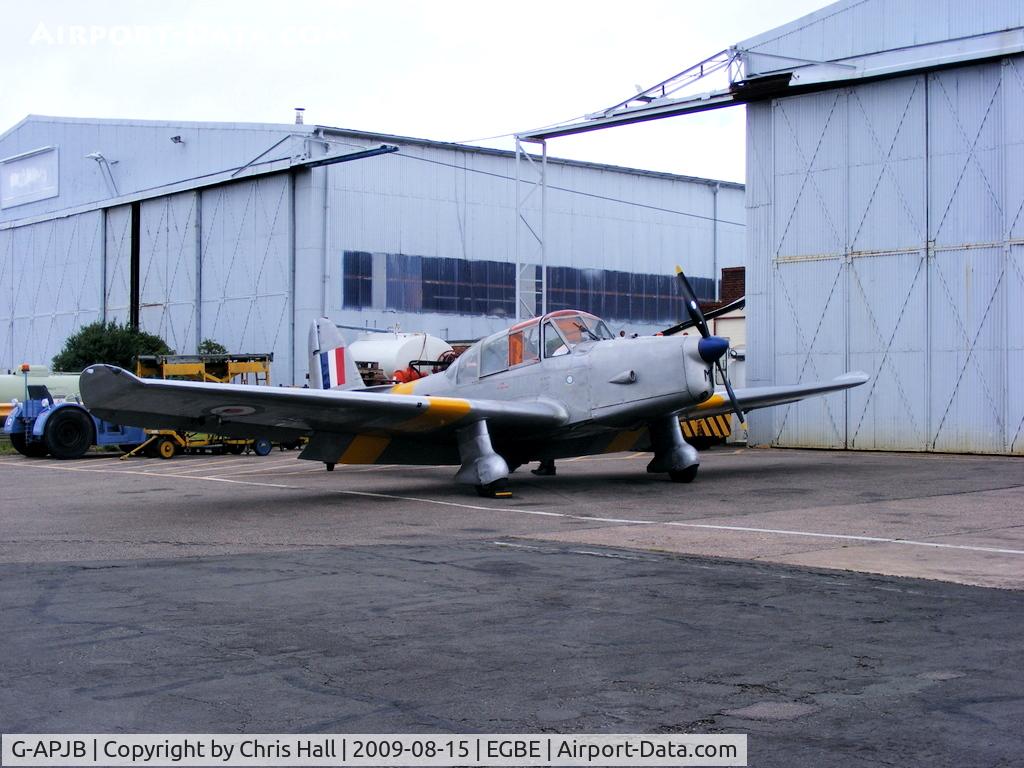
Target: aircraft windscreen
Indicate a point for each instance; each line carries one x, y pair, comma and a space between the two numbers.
597, 327
572, 330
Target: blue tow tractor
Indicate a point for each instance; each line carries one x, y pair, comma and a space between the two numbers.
38, 426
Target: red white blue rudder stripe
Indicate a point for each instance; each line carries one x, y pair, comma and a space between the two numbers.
332, 368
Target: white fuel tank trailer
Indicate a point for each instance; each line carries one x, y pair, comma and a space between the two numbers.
393, 351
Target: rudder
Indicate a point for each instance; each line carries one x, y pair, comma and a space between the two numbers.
330, 364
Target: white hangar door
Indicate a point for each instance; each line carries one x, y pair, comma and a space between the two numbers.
246, 268
895, 236
51, 280
974, 141
167, 270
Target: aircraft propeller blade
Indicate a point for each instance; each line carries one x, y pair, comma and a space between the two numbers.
732, 395
692, 307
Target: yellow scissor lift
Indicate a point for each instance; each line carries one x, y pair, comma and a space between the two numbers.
223, 369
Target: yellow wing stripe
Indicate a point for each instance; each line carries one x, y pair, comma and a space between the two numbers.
405, 388
440, 412
364, 449
623, 441
715, 401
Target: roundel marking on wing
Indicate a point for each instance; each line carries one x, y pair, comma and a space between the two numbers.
234, 410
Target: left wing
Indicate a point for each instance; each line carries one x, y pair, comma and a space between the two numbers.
287, 413
751, 398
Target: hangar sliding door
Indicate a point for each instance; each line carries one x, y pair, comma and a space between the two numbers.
53, 272
246, 268
967, 280
808, 280
887, 272
887, 235
117, 281
168, 270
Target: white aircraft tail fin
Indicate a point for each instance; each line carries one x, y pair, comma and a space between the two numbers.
330, 365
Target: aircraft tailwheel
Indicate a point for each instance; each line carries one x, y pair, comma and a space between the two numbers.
330, 466
165, 448
496, 490
686, 475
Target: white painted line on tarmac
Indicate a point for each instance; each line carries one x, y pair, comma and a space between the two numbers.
178, 469
851, 537
565, 515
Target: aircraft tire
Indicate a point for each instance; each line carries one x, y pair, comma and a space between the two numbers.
686, 475
262, 446
68, 433
25, 448
496, 490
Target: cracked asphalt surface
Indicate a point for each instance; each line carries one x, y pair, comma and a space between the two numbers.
157, 601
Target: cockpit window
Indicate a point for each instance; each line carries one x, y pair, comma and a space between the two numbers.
563, 332
494, 354
597, 327
524, 345
554, 344
468, 365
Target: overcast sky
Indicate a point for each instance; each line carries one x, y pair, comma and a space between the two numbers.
445, 70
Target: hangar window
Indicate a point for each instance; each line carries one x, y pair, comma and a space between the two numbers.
357, 279
476, 287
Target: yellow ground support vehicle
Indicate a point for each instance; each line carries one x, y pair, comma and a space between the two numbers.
225, 369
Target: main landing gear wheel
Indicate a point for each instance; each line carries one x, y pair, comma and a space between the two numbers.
684, 475
68, 433
262, 447
330, 466
165, 448
496, 490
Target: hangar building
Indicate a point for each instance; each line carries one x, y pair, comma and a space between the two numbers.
243, 233
885, 223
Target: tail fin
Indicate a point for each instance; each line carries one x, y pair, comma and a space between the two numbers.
330, 366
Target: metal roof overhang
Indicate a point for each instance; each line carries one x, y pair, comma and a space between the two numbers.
226, 176
801, 76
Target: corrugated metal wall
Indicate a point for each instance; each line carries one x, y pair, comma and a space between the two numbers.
167, 269
885, 235
51, 282
246, 265
250, 263
856, 27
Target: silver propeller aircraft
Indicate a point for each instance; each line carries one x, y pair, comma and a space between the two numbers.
551, 387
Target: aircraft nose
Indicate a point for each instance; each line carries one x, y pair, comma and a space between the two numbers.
712, 348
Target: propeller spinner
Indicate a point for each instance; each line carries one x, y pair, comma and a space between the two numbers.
710, 348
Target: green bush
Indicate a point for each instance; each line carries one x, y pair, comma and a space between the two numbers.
110, 343
211, 347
